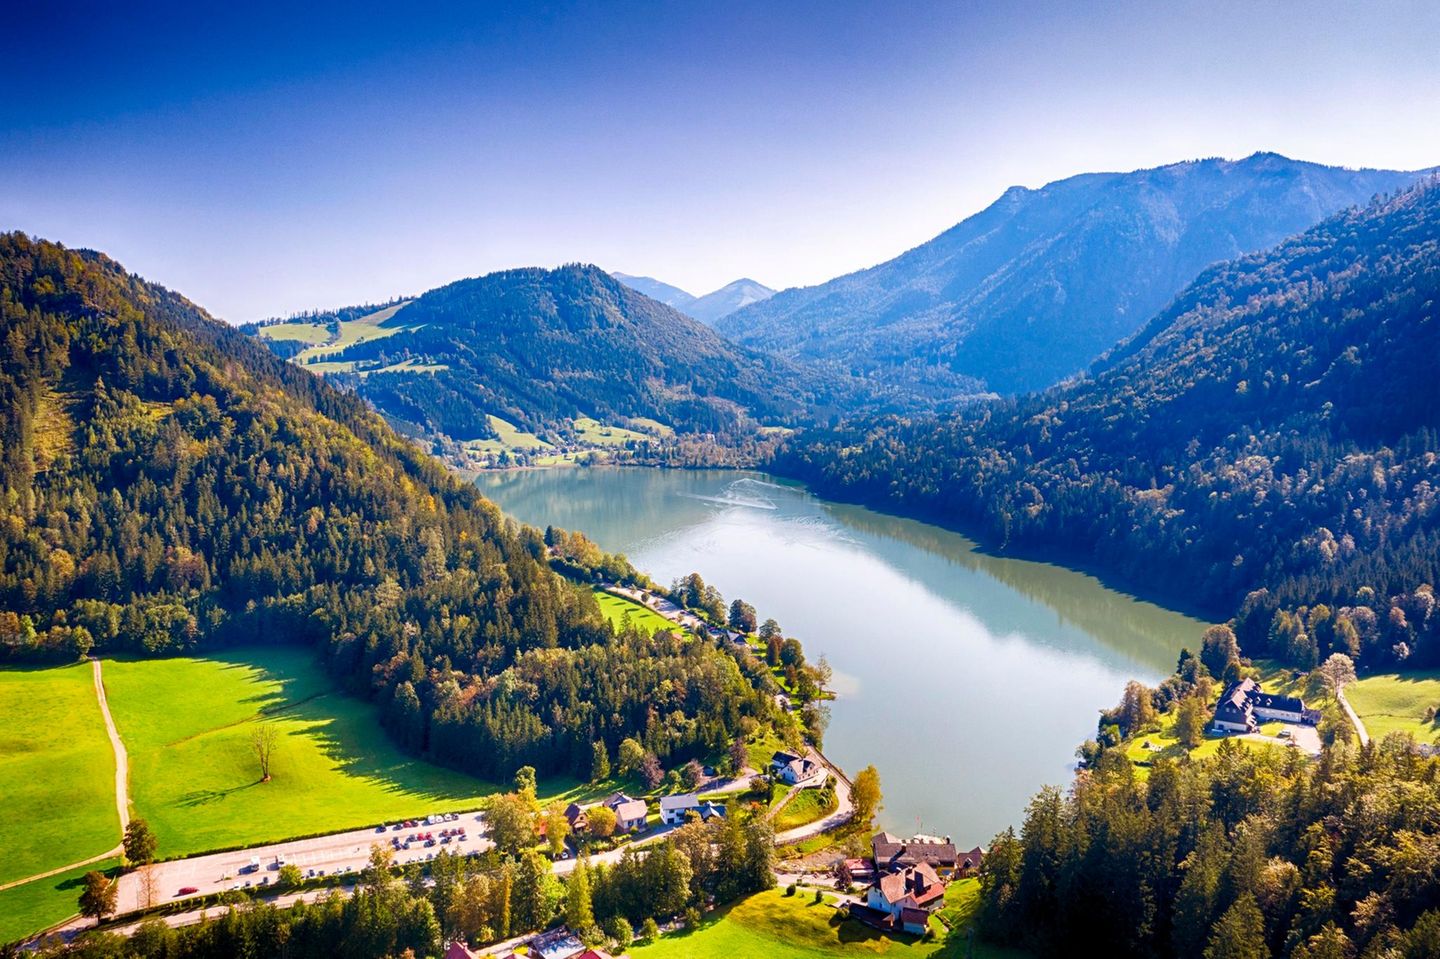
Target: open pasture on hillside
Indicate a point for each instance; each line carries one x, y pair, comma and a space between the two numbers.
372, 326
778, 926
57, 771
619, 610
1397, 702
188, 725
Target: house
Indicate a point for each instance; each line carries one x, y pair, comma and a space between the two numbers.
793, 769
908, 896
969, 863
892, 854
575, 815
861, 870
1244, 706
458, 950
630, 814
674, 809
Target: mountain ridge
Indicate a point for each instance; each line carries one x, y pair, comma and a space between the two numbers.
1035, 286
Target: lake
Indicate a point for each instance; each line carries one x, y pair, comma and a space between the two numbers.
967, 679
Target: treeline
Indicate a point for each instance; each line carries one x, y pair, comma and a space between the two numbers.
1255, 853
479, 900
166, 485
1273, 429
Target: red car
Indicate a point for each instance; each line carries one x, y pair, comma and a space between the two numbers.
188, 891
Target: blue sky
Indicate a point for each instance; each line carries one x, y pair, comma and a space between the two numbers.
265, 159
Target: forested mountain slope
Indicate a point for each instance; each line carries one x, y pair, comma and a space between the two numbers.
1275, 428
538, 347
169, 485
1036, 286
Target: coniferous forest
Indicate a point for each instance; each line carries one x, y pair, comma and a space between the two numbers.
1264, 449
169, 486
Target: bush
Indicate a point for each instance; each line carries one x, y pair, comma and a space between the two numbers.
650, 930
692, 918
819, 896
790, 889
621, 934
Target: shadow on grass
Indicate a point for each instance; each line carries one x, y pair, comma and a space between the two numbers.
204, 797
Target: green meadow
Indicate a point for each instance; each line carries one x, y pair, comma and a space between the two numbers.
618, 610
372, 326
1396, 702
57, 801
37, 905
778, 926
187, 724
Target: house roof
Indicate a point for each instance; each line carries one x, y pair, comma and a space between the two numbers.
782, 758
917, 917
891, 852
914, 886
682, 801
631, 809
973, 858
458, 950
1241, 698
615, 799
574, 811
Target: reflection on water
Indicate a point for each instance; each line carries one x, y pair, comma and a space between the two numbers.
967, 679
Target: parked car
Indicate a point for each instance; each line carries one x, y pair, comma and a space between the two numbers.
187, 891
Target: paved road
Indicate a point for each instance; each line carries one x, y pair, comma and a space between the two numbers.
844, 807
122, 788
350, 849
1354, 717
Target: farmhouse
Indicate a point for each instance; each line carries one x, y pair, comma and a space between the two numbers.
908, 897
1244, 706
575, 815
894, 855
630, 813
673, 809
793, 769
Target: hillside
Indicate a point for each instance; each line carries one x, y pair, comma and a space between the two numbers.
170, 486
657, 290
713, 307
542, 349
1033, 288
1274, 429
708, 308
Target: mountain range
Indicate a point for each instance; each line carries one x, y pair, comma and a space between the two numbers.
1272, 429
1040, 283
709, 308
541, 347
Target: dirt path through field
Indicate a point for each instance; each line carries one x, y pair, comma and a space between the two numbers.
122, 787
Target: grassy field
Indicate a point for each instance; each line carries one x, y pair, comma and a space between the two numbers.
187, 724
777, 926
599, 434
1396, 702
369, 327
57, 771
805, 808
618, 608
1167, 744
27, 909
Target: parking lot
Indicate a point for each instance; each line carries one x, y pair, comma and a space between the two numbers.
336, 854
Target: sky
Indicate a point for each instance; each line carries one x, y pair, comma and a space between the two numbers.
268, 159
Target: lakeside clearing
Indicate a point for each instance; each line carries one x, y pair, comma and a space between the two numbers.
777, 926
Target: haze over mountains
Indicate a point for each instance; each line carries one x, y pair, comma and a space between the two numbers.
1274, 427
709, 308
1036, 286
